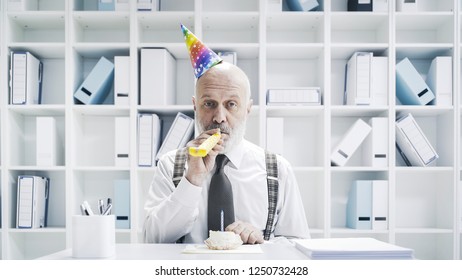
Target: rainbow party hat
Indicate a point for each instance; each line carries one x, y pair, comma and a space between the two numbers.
202, 58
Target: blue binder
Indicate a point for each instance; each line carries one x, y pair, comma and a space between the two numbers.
302, 5
98, 83
122, 203
106, 5
359, 205
411, 88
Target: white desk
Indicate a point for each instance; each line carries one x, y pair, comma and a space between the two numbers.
174, 252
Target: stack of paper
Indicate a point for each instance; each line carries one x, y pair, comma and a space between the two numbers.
352, 249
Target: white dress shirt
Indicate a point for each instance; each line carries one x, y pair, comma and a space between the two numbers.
182, 211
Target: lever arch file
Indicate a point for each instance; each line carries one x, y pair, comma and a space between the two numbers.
106, 5
148, 5
406, 5
380, 5
122, 141
47, 144
350, 142
178, 135
411, 88
149, 134
25, 78
379, 84
22, 5
358, 79
121, 80
122, 5
32, 202
360, 5
230, 57
380, 204
98, 83
412, 144
294, 96
359, 205
439, 79
302, 5
157, 82
122, 203
376, 144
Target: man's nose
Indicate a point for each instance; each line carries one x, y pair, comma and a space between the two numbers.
220, 115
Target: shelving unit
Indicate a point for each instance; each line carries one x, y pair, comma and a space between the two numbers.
275, 49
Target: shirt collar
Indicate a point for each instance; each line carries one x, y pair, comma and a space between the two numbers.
237, 153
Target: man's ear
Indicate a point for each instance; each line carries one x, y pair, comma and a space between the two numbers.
194, 102
249, 106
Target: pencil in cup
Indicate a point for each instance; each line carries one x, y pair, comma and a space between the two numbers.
206, 146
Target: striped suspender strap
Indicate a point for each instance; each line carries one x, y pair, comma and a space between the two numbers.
273, 184
178, 167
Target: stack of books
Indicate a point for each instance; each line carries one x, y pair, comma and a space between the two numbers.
352, 249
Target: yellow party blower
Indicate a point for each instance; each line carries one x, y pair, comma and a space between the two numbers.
206, 146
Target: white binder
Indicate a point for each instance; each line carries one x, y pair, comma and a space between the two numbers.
178, 135
376, 144
149, 129
380, 6
148, 5
412, 144
379, 86
32, 201
380, 204
158, 80
294, 96
22, 5
25, 78
358, 79
122, 5
122, 141
47, 143
439, 79
350, 142
407, 5
230, 57
275, 135
121, 80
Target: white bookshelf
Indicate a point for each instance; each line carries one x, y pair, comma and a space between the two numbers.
275, 49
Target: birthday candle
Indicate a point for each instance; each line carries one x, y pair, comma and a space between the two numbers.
222, 218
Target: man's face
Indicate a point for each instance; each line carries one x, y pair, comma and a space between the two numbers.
221, 101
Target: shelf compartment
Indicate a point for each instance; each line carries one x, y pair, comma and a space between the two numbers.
31, 245
428, 246
339, 127
94, 138
305, 133
437, 125
359, 28
46, 5
340, 187
295, 67
56, 201
101, 27
295, 28
144, 180
22, 136
424, 28
164, 27
424, 199
238, 27
94, 185
425, 6
36, 27
177, 5
311, 186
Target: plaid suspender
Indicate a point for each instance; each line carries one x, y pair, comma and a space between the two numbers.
272, 182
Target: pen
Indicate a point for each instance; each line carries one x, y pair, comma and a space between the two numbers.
87, 208
101, 206
108, 209
83, 210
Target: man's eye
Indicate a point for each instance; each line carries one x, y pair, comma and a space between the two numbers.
208, 104
232, 104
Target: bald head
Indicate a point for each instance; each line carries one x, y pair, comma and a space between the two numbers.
225, 75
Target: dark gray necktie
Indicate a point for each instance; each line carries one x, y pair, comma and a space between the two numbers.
220, 201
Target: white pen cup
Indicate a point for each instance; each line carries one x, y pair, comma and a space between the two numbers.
93, 236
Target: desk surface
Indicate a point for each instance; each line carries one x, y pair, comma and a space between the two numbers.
135, 251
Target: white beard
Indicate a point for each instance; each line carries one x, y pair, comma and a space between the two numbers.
235, 135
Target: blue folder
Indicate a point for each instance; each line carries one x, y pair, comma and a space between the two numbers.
98, 83
411, 88
359, 205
